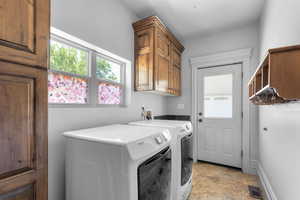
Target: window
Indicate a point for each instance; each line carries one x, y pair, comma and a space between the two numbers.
68, 59
69, 74
109, 81
82, 74
218, 96
67, 89
108, 70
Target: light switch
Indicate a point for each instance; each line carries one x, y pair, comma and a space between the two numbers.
180, 106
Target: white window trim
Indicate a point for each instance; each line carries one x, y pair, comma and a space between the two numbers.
92, 92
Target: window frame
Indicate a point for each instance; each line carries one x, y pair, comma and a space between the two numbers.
92, 80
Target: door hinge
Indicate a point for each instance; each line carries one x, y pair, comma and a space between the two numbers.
242, 114
242, 153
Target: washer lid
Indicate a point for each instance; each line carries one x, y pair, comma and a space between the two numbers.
117, 134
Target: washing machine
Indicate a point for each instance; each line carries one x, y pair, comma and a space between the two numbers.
118, 162
182, 154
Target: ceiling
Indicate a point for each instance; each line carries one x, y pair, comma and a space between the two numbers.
187, 18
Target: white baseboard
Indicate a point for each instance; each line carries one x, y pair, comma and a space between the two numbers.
253, 167
253, 164
265, 183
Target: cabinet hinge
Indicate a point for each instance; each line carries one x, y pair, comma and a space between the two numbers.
242, 114
242, 153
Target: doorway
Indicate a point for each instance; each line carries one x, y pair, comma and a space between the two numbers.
219, 114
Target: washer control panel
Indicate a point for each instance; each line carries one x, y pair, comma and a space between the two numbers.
141, 148
159, 140
167, 137
187, 127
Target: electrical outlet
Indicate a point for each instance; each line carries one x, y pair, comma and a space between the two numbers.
180, 106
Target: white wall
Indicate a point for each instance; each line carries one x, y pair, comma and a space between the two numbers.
239, 38
107, 24
279, 147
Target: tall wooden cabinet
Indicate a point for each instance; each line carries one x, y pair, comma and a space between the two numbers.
157, 58
24, 36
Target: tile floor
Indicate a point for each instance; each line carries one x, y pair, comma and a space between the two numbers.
214, 182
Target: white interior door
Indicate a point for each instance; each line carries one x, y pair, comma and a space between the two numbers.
220, 115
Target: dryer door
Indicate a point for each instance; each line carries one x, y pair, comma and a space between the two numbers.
186, 158
154, 177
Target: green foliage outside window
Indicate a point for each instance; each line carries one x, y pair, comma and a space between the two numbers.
104, 70
73, 60
68, 59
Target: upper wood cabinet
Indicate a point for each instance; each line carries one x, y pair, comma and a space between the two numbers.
277, 79
157, 58
24, 31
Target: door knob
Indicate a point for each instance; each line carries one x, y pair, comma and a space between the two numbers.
199, 120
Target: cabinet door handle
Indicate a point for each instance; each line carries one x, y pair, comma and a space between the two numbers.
199, 120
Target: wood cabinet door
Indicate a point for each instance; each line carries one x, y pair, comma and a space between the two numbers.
162, 61
174, 81
176, 57
144, 60
23, 132
175, 72
171, 80
177, 81
24, 31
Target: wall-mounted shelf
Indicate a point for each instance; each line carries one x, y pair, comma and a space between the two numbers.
277, 78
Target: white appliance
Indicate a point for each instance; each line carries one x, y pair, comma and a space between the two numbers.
118, 162
182, 154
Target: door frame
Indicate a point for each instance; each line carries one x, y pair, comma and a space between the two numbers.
235, 121
241, 56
